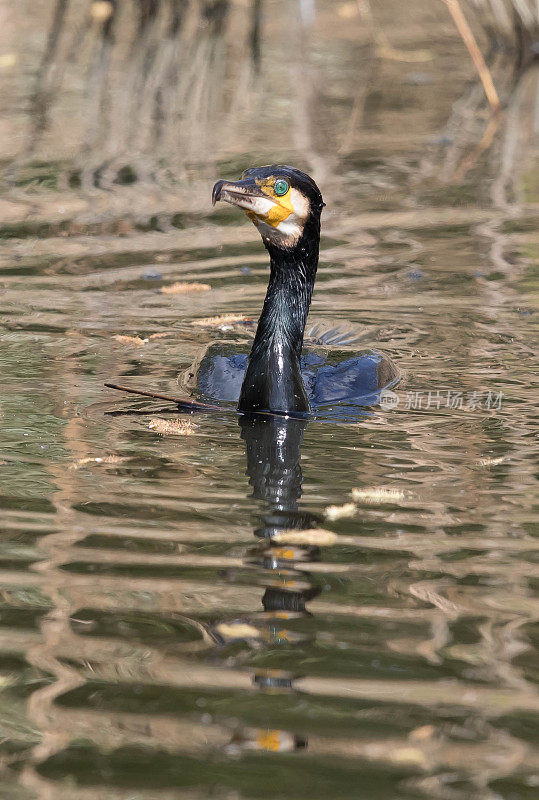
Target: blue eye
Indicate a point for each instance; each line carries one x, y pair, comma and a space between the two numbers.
281, 187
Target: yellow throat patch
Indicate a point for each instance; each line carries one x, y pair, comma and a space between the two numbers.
283, 205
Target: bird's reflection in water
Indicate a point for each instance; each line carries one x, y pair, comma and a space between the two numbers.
273, 450
273, 454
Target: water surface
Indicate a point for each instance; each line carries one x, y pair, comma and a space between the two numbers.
185, 615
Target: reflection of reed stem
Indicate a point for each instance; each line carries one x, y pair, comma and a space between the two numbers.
358, 110
256, 33
477, 152
383, 47
469, 40
44, 90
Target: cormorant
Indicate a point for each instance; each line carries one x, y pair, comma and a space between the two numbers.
285, 204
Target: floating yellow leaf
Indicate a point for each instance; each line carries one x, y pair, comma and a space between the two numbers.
135, 340
378, 495
490, 462
237, 630
269, 740
422, 733
223, 319
97, 460
315, 536
340, 512
409, 755
172, 427
183, 287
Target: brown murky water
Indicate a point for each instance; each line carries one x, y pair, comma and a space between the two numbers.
180, 614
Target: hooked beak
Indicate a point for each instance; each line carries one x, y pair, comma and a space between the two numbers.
245, 194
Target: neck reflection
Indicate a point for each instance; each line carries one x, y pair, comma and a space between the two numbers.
273, 451
267, 638
273, 454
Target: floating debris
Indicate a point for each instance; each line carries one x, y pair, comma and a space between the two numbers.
340, 512
273, 741
223, 319
378, 495
134, 340
172, 427
409, 755
490, 462
230, 631
184, 287
82, 462
314, 536
422, 733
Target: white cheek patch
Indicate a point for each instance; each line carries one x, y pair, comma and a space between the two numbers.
291, 228
300, 204
286, 233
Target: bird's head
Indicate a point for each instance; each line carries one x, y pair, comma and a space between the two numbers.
284, 203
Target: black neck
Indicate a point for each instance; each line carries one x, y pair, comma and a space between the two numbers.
273, 378
287, 301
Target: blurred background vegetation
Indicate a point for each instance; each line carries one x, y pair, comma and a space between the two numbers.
155, 93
